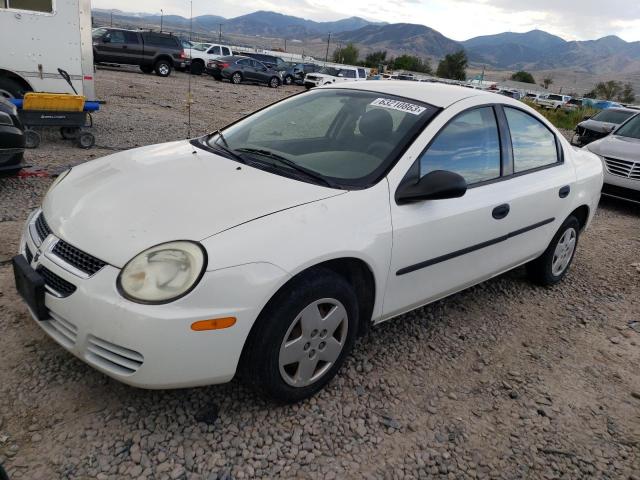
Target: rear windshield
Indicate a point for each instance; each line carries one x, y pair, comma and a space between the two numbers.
612, 116
630, 129
555, 97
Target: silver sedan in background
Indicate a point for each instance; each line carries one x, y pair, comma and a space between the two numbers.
620, 154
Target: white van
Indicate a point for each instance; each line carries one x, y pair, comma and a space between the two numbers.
37, 37
334, 74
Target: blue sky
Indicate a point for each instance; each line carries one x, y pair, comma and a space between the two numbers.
457, 19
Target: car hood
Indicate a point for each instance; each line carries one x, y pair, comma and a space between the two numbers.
117, 206
596, 126
624, 148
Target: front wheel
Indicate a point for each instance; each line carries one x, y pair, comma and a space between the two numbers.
274, 82
288, 80
302, 337
551, 267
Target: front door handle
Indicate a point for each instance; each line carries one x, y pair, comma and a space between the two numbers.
501, 211
564, 191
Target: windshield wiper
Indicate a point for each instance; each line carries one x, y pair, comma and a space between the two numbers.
289, 163
225, 148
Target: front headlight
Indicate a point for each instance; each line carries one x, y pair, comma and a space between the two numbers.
163, 273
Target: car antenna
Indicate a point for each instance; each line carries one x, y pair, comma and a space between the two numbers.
189, 100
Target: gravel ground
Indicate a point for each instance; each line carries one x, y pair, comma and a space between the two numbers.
504, 380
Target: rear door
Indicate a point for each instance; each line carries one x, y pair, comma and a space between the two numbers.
133, 47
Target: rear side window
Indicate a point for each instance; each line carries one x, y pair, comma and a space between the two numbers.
131, 37
215, 51
160, 40
533, 143
33, 5
226, 51
468, 145
555, 97
348, 73
361, 73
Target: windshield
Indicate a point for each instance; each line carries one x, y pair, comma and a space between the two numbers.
348, 137
329, 71
630, 129
612, 116
98, 32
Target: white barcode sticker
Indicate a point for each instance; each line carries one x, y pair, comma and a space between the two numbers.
399, 105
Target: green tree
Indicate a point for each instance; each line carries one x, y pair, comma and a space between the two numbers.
546, 82
627, 95
608, 90
411, 63
374, 59
347, 55
523, 76
453, 66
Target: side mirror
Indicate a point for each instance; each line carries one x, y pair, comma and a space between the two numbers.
106, 39
264, 69
436, 185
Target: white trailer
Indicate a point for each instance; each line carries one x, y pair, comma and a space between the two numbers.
39, 36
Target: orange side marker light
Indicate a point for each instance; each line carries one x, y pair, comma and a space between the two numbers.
213, 324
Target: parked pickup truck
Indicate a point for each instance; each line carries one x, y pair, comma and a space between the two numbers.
333, 75
204, 53
152, 51
553, 101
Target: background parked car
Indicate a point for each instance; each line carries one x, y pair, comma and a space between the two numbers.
269, 60
332, 75
601, 124
238, 69
553, 101
200, 56
620, 154
11, 138
296, 72
152, 51
572, 104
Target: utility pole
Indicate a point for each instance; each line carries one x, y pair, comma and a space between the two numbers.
219, 33
326, 56
161, 18
111, 13
285, 44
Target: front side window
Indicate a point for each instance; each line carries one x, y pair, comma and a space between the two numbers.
533, 143
349, 137
32, 5
226, 51
361, 73
468, 145
131, 37
115, 36
215, 51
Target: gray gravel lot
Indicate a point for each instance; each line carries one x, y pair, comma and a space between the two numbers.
504, 380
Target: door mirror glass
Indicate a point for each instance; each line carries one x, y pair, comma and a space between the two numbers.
435, 185
106, 39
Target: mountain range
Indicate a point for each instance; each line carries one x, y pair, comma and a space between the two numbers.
534, 50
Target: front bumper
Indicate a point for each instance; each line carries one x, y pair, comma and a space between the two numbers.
152, 346
621, 187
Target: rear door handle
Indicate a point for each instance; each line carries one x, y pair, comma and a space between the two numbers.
501, 211
564, 191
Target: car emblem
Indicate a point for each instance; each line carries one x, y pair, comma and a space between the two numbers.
36, 257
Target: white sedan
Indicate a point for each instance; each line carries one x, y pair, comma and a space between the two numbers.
264, 249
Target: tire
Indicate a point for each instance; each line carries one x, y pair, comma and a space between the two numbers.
551, 267
31, 138
85, 140
217, 77
274, 82
197, 68
163, 68
288, 80
9, 88
146, 68
236, 78
264, 364
69, 133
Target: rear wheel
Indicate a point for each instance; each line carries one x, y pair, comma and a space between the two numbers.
9, 88
31, 138
236, 78
551, 267
86, 140
197, 68
302, 337
163, 68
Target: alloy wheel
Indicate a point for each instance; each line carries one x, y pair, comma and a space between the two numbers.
563, 252
313, 343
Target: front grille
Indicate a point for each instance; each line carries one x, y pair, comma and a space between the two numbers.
79, 259
27, 254
56, 283
42, 227
312, 77
623, 168
115, 358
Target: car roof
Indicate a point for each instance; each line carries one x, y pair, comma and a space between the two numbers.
619, 109
436, 94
